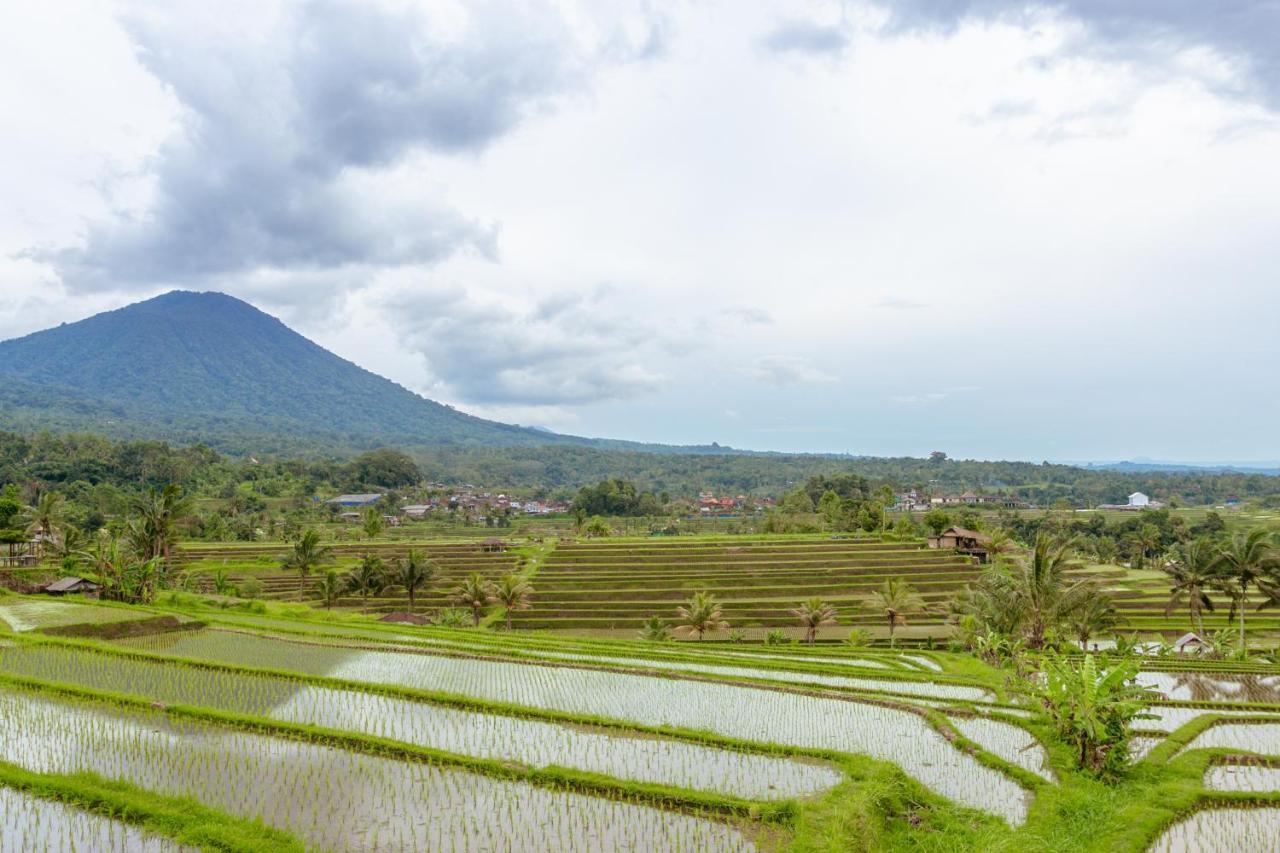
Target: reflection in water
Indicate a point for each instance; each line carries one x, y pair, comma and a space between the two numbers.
1214, 686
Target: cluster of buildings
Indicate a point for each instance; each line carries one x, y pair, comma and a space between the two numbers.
477, 504
709, 503
918, 501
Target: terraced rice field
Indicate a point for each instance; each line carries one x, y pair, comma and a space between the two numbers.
31, 823
745, 713
1222, 830
334, 799
523, 741
240, 562
612, 586
33, 614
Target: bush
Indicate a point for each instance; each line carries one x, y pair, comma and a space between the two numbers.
250, 588
776, 638
453, 617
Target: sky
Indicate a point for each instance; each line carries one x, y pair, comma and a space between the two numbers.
1001, 230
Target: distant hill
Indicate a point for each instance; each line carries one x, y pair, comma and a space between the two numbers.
1126, 467
208, 367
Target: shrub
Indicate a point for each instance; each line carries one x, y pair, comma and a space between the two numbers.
453, 617
776, 638
250, 588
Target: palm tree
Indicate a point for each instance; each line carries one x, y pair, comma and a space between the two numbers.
655, 630
414, 572
814, 614
307, 554
999, 543
1095, 614
1245, 560
475, 592
367, 578
1046, 592
512, 592
45, 517
330, 587
1191, 576
700, 616
158, 511
895, 596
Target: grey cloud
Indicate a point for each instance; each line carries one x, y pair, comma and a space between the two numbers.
785, 370
284, 136
746, 314
805, 37
1247, 30
564, 350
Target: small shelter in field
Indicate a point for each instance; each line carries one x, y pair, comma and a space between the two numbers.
1191, 644
965, 541
493, 546
72, 585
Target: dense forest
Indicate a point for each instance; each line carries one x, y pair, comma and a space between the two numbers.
94, 464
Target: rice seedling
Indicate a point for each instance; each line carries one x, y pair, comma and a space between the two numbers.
28, 614
1259, 738
533, 743
914, 688
1243, 777
747, 713
1170, 718
1222, 830
1015, 745
332, 799
31, 823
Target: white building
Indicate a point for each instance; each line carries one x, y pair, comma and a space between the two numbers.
1138, 499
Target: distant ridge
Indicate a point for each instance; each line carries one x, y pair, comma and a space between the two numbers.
209, 367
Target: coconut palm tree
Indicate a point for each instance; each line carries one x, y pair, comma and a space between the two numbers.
475, 592
1245, 560
330, 587
896, 597
701, 616
307, 554
512, 592
372, 522
367, 578
1192, 575
814, 614
1094, 614
414, 572
45, 517
1044, 588
157, 513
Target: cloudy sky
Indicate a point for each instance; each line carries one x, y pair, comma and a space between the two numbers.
999, 229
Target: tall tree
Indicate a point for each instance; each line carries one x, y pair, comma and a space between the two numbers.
1192, 575
1249, 560
814, 614
415, 571
896, 598
701, 616
329, 587
45, 517
1094, 614
475, 593
307, 555
1044, 587
513, 593
367, 578
157, 512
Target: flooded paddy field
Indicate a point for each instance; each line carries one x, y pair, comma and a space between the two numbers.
743, 712
332, 799
29, 823
530, 742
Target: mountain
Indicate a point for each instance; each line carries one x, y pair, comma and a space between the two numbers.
208, 367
